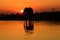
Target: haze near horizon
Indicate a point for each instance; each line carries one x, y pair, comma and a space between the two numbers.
37, 5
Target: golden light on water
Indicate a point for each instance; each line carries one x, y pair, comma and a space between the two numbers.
14, 30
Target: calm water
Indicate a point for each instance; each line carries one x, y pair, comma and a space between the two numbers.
14, 30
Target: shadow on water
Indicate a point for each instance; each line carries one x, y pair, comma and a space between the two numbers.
53, 22
49, 22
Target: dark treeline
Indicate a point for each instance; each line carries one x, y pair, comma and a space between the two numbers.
11, 16
55, 16
35, 16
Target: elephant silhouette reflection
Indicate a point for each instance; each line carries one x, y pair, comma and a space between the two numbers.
29, 26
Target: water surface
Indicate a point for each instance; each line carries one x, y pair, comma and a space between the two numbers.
43, 30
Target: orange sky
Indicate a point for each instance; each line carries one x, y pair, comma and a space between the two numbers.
37, 5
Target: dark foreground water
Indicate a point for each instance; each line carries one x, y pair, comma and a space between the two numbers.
43, 30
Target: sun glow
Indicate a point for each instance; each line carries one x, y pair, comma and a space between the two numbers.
21, 11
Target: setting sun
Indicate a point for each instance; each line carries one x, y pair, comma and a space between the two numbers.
21, 11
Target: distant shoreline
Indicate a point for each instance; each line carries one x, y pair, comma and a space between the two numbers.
46, 16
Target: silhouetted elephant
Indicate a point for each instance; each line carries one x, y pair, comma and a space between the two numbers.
28, 13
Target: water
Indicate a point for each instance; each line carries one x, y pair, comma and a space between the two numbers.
43, 30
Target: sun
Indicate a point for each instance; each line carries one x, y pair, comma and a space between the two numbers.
21, 11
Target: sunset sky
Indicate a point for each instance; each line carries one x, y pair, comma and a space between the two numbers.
37, 5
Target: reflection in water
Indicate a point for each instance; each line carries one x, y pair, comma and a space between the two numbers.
29, 26
42, 30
